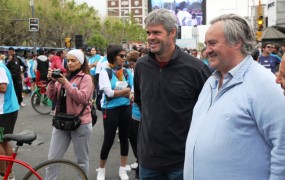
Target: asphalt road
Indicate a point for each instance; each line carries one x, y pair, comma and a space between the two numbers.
38, 151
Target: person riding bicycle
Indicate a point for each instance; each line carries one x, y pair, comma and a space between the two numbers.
42, 65
8, 113
71, 93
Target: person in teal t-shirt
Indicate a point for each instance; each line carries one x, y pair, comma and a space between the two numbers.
93, 60
8, 112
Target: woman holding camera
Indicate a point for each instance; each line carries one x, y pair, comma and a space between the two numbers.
116, 82
71, 93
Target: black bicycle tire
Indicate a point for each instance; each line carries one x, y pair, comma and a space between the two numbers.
34, 106
57, 161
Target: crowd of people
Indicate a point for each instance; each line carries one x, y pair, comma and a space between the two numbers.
209, 115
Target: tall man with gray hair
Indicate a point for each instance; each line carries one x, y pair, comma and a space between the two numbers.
238, 123
167, 84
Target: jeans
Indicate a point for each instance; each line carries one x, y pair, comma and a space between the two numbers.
148, 174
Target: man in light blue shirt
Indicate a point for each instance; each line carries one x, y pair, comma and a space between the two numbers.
238, 124
280, 78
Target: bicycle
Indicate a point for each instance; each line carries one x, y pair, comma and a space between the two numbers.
39, 100
65, 169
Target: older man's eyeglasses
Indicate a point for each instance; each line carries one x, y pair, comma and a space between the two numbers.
269, 46
122, 55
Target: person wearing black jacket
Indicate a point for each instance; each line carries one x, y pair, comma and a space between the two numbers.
167, 83
42, 65
14, 64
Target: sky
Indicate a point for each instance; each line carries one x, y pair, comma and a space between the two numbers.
214, 7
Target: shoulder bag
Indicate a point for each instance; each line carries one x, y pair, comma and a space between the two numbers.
66, 122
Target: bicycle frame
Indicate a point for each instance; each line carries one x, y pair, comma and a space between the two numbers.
13, 159
40, 90
39, 97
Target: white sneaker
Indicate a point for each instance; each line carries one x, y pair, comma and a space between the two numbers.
23, 104
128, 168
134, 165
123, 173
52, 113
101, 173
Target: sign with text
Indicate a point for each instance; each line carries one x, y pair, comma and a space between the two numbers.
33, 24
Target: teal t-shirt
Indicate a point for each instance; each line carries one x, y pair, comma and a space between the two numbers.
31, 70
8, 100
92, 60
117, 101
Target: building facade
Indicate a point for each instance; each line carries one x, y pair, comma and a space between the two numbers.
125, 8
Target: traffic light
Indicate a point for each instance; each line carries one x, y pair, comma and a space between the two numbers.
260, 23
79, 41
67, 42
259, 28
33, 24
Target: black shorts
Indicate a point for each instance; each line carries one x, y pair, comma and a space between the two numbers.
7, 121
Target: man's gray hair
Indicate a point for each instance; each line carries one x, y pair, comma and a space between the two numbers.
163, 17
237, 29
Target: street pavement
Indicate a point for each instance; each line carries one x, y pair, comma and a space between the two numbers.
38, 151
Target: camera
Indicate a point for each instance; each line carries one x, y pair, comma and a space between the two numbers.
56, 73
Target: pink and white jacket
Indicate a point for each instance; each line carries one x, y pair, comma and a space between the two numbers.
78, 92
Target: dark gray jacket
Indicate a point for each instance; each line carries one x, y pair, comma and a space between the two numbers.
166, 96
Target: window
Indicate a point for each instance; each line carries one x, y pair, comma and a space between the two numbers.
137, 11
125, 3
113, 3
136, 3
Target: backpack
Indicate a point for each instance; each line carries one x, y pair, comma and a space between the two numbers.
43, 69
100, 92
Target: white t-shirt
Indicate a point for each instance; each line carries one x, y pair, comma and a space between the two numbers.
101, 65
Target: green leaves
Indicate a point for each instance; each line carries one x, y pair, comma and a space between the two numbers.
59, 19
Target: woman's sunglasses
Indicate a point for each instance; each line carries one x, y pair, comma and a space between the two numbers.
122, 55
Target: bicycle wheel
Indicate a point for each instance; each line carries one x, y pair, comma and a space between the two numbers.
57, 169
40, 103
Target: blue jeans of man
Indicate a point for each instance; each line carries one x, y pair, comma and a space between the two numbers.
148, 174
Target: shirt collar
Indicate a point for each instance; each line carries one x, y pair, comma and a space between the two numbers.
175, 56
233, 71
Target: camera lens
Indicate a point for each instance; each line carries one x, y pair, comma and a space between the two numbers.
56, 73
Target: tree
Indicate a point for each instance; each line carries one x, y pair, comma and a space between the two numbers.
117, 30
59, 19
98, 41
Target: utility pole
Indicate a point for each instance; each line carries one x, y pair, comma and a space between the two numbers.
32, 4
195, 34
123, 2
